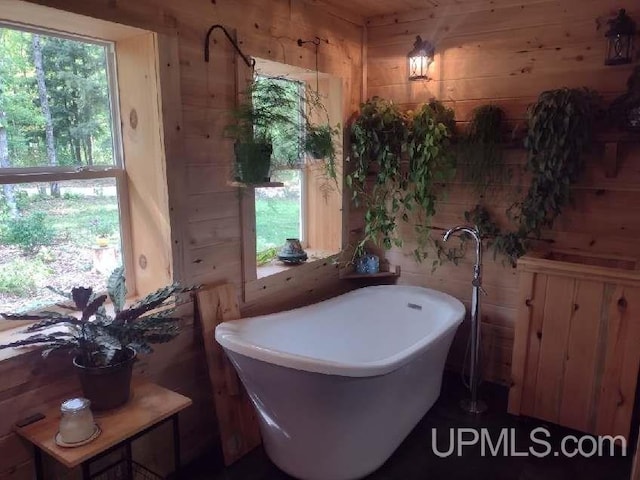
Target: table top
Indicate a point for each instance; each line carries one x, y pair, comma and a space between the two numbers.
149, 405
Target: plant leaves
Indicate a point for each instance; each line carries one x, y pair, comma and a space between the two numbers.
117, 289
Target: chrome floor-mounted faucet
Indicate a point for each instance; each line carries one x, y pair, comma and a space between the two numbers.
473, 405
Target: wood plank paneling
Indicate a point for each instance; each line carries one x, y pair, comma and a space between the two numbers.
238, 424
578, 391
579, 366
506, 53
555, 335
622, 360
205, 211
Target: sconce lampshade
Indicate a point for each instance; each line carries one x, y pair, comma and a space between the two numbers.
620, 35
419, 58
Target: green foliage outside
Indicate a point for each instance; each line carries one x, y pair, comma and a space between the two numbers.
29, 232
277, 215
20, 276
77, 88
276, 220
68, 226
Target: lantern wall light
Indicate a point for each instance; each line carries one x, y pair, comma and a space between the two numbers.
419, 59
620, 35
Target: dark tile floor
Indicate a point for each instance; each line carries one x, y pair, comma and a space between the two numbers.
415, 459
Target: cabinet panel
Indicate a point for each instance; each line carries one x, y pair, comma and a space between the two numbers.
555, 332
578, 390
532, 347
576, 356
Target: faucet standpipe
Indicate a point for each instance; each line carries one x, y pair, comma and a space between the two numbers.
473, 405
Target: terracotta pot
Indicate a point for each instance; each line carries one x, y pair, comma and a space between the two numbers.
106, 387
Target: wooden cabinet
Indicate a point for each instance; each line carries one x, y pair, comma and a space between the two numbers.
577, 341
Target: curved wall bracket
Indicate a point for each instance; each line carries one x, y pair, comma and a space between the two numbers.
251, 62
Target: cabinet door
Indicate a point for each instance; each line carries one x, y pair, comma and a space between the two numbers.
575, 360
619, 374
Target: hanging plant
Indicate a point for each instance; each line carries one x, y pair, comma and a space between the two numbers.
481, 151
319, 143
276, 124
509, 244
406, 155
560, 132
268, 114
430, 162
378, 140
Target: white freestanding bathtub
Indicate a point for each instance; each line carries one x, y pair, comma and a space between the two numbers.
338, 385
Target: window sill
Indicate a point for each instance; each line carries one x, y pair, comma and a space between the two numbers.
14, 334
305, 276
275, 266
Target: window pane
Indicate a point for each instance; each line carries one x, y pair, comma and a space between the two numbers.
54, 102
278, 211
63, 242
282, 125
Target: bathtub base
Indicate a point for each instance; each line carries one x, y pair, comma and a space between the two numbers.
329, 427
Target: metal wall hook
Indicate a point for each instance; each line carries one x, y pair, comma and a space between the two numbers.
251, 62
316, 41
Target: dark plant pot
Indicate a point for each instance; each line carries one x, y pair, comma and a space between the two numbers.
107, 387
253, 161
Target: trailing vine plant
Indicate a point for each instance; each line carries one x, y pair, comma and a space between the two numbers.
403, 157
430, 162
378, 139
481, 150
559, 135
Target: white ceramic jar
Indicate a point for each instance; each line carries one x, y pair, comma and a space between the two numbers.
76, 424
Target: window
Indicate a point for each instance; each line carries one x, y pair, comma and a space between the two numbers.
61, 167
279, 210
309, 205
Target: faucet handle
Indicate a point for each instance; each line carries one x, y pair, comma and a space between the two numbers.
476, 282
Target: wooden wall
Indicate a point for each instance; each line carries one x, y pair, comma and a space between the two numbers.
206, 233
506, 52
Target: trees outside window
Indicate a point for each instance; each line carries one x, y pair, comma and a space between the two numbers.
59, 169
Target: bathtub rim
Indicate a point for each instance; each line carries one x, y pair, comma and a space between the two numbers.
226, 335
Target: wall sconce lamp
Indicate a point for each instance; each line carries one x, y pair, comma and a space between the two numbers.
620, 35
251, 62
419, 58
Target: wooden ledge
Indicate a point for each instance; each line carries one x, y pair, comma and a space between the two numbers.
256, 185
394, 272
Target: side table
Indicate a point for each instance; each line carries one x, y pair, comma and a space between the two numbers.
149, 407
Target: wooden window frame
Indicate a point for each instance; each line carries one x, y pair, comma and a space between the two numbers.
146, 118
254, 288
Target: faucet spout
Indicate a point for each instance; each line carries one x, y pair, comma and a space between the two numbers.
473, 231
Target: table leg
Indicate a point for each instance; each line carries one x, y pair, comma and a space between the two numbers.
37, 458
176, 446
86, 471
128, 461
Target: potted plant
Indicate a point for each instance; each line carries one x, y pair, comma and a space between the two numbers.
104, 345
319, 143
270, 107
276, 120
409, 156
102, 230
